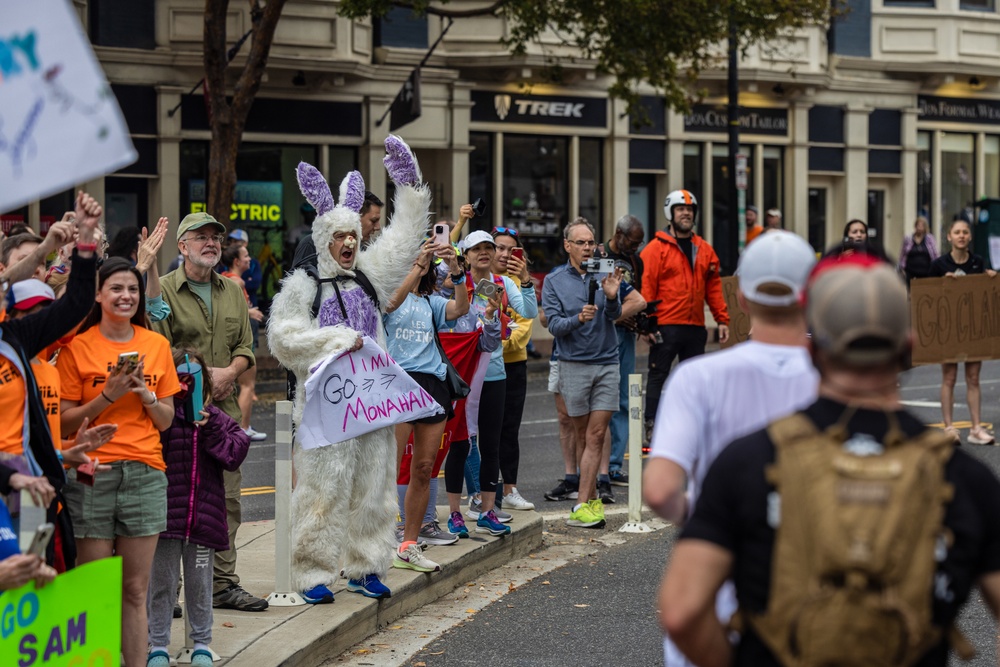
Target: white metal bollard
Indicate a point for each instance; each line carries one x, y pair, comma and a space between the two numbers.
634, 523
283, 595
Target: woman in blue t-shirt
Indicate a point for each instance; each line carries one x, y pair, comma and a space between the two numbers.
411, 339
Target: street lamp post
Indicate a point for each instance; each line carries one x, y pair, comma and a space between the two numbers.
735, 233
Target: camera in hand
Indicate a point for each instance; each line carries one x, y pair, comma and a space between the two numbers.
479, 207
646, 322
595, 265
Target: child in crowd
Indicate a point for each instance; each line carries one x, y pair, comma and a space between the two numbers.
196, 449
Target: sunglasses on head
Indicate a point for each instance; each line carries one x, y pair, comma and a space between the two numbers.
504, 230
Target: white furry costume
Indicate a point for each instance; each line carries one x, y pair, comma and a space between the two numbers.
345, 494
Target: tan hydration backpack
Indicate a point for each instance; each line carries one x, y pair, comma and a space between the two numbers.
857, 546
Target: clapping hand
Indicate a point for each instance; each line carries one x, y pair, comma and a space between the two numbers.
149, 244
87, 440
611, 283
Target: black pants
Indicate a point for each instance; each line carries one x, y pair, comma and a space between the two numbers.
491, 409
510, 447
454, 466
679, 340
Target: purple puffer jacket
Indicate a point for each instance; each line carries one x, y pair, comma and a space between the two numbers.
196, 495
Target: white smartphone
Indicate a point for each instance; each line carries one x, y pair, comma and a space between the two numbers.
41, 540
442, 236
32, 516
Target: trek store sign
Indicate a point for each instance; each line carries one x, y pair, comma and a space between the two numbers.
711, 118
507, 108
253, 201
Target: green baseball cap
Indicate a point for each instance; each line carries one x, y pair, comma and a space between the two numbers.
195, 221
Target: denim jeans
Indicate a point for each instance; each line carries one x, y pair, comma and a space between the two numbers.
619, 420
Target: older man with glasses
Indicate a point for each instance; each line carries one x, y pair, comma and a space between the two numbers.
209, 313
582, 308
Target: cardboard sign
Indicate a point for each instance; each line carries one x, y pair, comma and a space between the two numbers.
75, 620
739, 319
60, 124
354, 393
955, 319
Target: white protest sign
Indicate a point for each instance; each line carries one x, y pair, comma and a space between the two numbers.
59, 121
354, 393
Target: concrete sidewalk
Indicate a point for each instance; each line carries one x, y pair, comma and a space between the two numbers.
307, 635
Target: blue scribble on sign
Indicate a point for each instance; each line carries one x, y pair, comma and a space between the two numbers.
16, 53
23, 144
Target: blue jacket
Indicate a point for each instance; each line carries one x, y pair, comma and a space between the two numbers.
564, 295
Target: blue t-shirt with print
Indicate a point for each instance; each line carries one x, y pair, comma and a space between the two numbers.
8, 538
410, 334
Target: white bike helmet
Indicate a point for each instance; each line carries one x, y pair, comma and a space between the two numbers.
677, 198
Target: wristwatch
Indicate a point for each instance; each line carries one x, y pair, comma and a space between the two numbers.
458, 278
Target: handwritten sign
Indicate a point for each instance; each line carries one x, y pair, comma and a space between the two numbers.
955, 319
739, 319
359, 392
75, 620
59, 121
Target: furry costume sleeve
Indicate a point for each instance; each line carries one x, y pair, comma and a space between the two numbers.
388, 260
293, 334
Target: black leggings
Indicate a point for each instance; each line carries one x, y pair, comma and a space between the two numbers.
679, 341
491, 408
454, 466
510, 447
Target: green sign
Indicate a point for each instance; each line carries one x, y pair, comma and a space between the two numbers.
76, 621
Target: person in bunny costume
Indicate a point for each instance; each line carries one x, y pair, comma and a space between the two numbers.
344, 503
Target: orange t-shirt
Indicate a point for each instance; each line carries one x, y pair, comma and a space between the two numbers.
753, 232
47, 379
84, 366
12, 397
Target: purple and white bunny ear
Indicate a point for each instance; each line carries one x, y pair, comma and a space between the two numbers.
352, 191
314, 188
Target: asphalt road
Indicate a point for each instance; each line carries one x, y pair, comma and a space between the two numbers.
545, 626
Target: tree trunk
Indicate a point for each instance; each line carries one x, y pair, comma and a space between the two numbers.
227, 118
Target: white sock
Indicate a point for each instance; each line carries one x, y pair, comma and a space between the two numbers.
198, 646
159, 648
576, 507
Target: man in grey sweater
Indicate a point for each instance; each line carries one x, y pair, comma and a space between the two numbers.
581, 312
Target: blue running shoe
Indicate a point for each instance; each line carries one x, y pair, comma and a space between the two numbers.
318, 595
456, 525
488, 523
369, 586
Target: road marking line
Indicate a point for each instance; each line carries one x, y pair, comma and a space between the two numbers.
923, 404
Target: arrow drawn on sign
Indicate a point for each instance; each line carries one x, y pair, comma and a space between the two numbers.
387, 379
368, 383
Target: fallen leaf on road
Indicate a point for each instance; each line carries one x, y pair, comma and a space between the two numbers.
361, 651
439, 653
227, 624
581, 606
420, 664
470, 611
546, 583
395, 627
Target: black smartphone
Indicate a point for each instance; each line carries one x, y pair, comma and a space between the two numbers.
479, 207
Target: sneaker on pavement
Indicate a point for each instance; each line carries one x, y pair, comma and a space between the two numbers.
255, 436
476, 509
488, 523
618, 478
980, 436
456, 525
597, 507
201, 658
503, 517
318, 595
565, 490
399, 534
369, 586
584, 517
158, 659
432, 534
236, 598
515, 501
413, 558
605, 493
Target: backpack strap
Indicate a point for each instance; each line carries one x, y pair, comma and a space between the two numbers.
359, 277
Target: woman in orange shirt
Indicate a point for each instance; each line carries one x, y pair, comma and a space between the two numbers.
121, 511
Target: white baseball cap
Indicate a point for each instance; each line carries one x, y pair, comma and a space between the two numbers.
778, 258
477, 237
29, 293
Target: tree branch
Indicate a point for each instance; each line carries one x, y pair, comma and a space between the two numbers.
250, 78
453, 13
214, 57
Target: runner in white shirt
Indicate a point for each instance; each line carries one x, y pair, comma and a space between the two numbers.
712, 400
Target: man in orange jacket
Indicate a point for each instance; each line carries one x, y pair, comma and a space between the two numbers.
682, 273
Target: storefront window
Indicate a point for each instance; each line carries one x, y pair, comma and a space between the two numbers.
536, 198
991, 158
268, 203
925, 177
481, 177
773, 178
957, 177
590, 183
